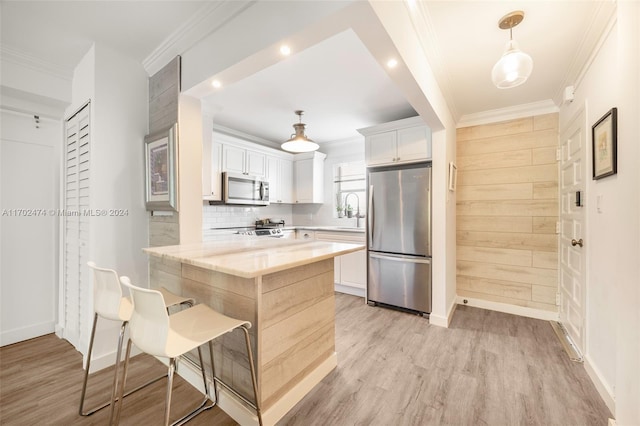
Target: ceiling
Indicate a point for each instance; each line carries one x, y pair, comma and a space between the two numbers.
337, 82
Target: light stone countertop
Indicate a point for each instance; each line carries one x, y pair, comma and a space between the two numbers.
250, 258
332, 228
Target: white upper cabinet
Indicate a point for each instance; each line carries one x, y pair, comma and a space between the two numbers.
243, 161
309, 177
211, 163
279, 176
402, 141
224, 150
212, 171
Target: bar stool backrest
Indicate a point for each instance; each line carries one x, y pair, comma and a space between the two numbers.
149, 324
107, 294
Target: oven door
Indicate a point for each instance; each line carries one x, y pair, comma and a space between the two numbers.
245, 190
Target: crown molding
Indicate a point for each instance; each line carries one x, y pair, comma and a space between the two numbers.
602, 21
245, 136
209, 18
423, 27
22, 59
509, 113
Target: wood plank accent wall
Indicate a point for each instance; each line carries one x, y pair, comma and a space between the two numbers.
292, 313
164, 93
507, 209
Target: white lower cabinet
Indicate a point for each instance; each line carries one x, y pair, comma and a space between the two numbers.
349, 270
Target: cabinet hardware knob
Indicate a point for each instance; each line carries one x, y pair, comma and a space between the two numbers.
575, 242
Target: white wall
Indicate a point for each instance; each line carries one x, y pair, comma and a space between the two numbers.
117, 87
613, 244
324, 214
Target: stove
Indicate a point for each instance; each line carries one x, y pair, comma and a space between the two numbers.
262, 228
274, 232
268, 224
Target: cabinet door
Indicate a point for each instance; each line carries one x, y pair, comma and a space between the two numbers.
255, 163
273, 177
233, 159
304, 181
353, 271
286, 181
213, 174
413, 144
380, 148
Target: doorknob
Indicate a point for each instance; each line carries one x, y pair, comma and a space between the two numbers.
575, 242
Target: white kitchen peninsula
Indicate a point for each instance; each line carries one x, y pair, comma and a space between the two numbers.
285, 288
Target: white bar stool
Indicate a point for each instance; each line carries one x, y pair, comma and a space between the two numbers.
153, 331
108, 303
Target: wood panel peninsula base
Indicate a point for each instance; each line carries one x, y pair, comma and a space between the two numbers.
285, 288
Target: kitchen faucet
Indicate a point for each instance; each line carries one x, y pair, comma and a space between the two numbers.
358, 211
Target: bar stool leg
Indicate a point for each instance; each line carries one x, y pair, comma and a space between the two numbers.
213, 374
203, 405
167, 408
86, 371
123, 381
253, 373
114, 388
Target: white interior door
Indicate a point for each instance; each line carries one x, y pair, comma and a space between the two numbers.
76, 285
573, 169
29, 149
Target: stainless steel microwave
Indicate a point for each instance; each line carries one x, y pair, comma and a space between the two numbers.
243, 189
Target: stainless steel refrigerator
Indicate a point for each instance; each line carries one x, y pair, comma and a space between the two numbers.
399, 236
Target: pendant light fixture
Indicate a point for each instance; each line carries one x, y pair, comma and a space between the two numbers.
299, 142
515, 66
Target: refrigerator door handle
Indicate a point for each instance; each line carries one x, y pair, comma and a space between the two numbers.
371, 215
401, 258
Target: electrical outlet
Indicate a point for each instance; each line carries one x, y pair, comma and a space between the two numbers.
557, 227
558, 299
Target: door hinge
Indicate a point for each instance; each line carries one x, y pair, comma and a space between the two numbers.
557, 227
558, 299
558, 154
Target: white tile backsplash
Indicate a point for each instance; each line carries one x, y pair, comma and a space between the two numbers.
221, 216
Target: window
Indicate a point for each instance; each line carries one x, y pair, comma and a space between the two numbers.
350, 189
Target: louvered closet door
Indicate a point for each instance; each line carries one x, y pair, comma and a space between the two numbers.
76, 229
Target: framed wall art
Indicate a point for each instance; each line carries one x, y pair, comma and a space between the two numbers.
161, 169
604, 139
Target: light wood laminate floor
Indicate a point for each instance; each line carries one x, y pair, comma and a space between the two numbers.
488, 368
393, 369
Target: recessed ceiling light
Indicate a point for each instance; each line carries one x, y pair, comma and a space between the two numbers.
392, 63
216, 84
285, 50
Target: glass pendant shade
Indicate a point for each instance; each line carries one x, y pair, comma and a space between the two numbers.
299, 142
513, 68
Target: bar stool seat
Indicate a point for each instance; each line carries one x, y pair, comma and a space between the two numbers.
154, 332
109, 303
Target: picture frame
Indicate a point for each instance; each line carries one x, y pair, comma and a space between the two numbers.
453, 177
604, 145
161, 169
